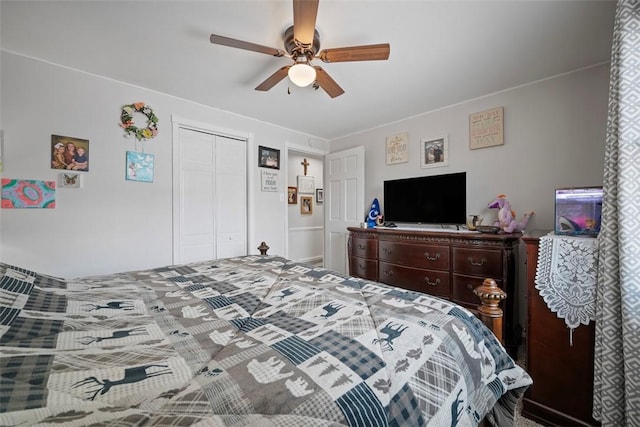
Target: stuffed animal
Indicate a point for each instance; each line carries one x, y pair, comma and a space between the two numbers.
507, 217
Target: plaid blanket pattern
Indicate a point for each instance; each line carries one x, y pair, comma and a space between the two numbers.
251, 340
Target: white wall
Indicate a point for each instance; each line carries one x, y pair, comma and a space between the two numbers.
554, 133
110, 224
306, 232
554, 137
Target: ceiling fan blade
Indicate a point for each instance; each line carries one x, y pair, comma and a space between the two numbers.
228, 41
329, 85
274, 78
304, 20
372, 52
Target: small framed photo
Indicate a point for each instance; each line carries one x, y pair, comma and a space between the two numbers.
434, 151
69, 153
306, 184
69, 180
319, 195
268, 157
292, 195
306, 205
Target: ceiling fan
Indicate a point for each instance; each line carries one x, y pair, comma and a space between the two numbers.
302, 45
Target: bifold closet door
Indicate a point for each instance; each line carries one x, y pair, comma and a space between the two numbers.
230, 203
211, 212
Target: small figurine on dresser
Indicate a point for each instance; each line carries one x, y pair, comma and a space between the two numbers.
374, 216
507, 217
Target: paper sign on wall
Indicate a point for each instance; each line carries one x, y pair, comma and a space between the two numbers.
269, 180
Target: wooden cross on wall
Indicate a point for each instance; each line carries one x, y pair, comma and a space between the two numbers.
305, 164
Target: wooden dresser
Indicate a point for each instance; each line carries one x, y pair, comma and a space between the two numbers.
445, 264
562, 390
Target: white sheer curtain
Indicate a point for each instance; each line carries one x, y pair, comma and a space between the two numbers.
617, 347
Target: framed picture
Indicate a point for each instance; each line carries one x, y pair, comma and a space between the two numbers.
306, 205
268, 157
434, 151
486, 128
69, 180
306, 184
292, 195
69, 153
139, 167
397, 148
319, 195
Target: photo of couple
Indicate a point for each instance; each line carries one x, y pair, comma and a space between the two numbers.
69, 153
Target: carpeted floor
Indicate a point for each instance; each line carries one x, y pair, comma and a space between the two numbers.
524, 422
520, 420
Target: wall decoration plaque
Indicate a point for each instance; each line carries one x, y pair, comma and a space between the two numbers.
397, 148
306, 184
486, 128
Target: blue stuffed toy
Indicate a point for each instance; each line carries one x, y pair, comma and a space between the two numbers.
374, 212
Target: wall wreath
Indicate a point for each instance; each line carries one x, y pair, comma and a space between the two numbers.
126, 121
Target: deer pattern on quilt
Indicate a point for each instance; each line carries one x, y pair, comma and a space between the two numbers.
254, 339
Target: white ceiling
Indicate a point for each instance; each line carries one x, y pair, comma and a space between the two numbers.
442, 52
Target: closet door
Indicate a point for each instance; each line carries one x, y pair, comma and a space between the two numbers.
209, 197
196, 196
231, 197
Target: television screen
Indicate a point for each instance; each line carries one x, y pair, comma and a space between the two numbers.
436, 199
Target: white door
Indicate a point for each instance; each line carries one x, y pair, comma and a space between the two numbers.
344, 203
196, 177
209, 197
231, 198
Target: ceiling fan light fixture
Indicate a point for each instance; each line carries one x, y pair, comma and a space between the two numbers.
302, 74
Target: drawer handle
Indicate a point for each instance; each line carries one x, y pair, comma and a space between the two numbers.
388, 273
470, 287
477, 264
362, 267
387, 251
436, 283
361, 246
432, 258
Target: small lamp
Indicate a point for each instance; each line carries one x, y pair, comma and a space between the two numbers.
302, 74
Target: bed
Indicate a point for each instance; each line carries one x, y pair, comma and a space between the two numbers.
255, 340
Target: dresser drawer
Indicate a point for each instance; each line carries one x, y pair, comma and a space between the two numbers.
365, 248
430, 282
364, 268
433, 257
479, 262
462, 290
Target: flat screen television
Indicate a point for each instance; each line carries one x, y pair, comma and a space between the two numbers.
435, 199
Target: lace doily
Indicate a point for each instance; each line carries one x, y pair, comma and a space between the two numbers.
566, 278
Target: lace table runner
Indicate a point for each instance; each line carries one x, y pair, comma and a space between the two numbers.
566, 278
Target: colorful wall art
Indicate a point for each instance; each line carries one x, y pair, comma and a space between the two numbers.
139, 166
25, 193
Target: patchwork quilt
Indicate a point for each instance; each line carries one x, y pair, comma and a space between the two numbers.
254, 340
